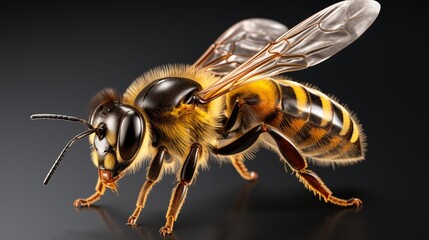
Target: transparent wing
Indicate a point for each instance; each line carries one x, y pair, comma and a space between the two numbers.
239, 43
309, 43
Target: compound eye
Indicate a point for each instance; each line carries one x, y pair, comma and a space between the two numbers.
130, 135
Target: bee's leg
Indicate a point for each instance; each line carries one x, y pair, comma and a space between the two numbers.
294, 158
152, 176
237, 160
310, 179
179, 192
230, 122
86, 202
238, 163
242, 143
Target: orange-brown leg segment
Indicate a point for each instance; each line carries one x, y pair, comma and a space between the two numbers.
152, 177
179, 192
315, 184
238, 163
86, 202
294, 158
307, 177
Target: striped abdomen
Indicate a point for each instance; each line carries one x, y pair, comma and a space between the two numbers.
319, 126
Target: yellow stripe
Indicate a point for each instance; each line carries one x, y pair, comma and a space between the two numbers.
301, 96
346, 122
355, 134
327, 110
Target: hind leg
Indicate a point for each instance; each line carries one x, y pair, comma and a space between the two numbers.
310, 179
293, 157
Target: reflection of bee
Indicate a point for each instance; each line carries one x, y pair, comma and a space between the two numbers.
226, 105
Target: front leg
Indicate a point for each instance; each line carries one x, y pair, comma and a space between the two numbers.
86, 202
179, 193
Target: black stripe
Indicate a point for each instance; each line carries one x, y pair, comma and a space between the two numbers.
289, 102
316, 113
274, 117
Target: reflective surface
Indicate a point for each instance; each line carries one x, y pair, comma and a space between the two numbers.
54, 58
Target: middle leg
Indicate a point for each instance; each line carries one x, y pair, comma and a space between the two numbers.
179, 192
238, 163
238, 160
151, 178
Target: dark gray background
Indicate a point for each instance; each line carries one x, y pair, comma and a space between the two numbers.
54, 57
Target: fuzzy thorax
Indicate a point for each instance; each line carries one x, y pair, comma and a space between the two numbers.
186, 124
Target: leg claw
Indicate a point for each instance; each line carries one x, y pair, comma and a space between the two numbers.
253, 176
355, 201
132, 221
81, 203
164, 231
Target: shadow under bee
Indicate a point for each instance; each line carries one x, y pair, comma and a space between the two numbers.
120, 231
251, 217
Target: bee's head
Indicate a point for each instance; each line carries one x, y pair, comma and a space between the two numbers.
119, 135
116, 134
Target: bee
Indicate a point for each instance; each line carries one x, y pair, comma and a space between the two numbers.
230, 102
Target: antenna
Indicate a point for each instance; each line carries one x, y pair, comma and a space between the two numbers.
100, 130
61, 118
64, 151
